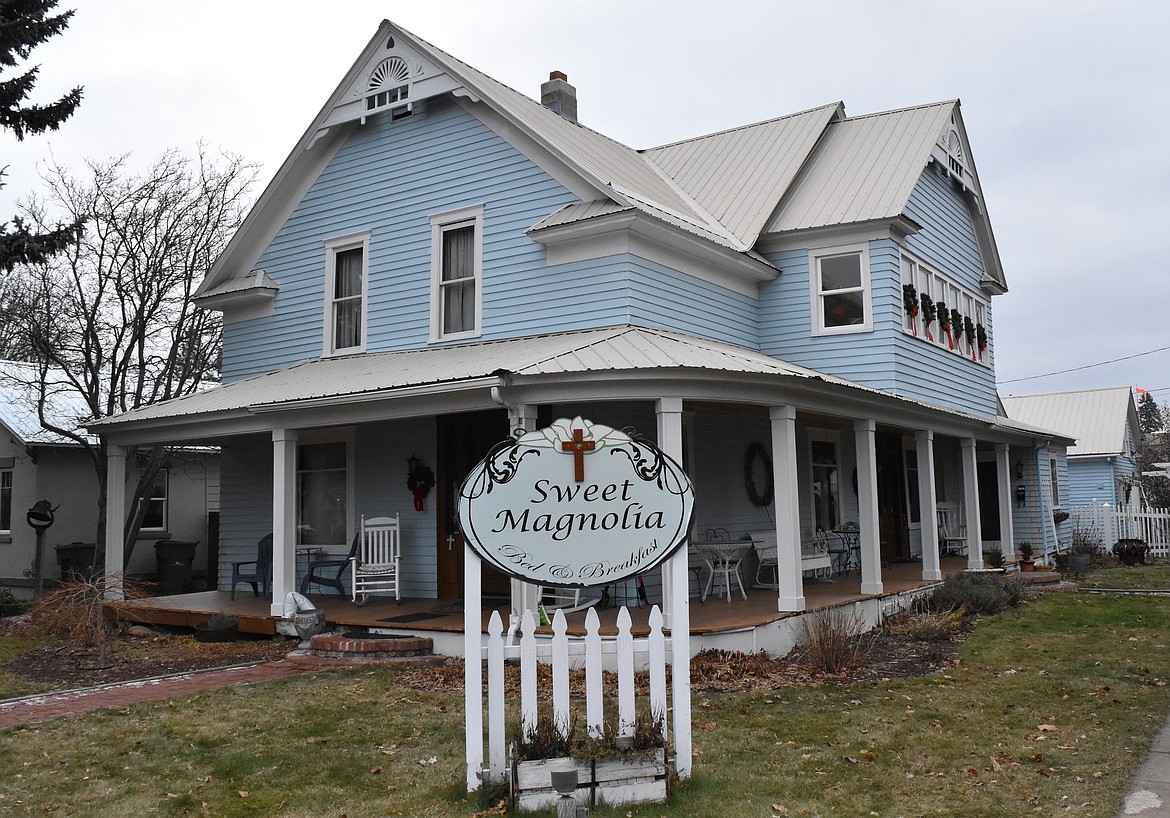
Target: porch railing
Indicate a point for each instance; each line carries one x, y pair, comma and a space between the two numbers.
1110, 523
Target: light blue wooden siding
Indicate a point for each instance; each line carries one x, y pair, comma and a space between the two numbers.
380, 489
666, 298
245, 501
887, 358
389, 179
1033, 521
1091, 479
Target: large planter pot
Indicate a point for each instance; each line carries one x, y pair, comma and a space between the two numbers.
611, 781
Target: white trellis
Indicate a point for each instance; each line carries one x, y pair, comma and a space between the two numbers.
562, 652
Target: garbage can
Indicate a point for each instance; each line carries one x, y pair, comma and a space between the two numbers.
76, 558
173, 559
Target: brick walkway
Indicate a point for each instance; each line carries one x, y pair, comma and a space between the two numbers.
35, 709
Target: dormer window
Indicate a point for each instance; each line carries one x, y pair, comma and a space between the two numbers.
388, 87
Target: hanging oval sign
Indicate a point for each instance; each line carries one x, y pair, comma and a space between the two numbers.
576, 504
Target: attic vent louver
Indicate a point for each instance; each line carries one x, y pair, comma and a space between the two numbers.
388, 86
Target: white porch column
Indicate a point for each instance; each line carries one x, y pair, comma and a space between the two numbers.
790, 595
670, 440
115, 520
927, 505
971, 505
1003, 476
525, 595
284, 517
865, 438
677, 600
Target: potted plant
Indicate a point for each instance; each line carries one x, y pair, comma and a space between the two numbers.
1131, 551
994, 557
1026, 561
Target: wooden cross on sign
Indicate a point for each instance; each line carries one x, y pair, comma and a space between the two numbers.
578, 446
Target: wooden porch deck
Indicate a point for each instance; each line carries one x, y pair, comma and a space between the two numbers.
420, 616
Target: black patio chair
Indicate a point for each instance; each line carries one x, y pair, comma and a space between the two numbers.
330, 569
260, 575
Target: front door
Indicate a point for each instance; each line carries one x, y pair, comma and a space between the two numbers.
892, 524
988, 476
463, 441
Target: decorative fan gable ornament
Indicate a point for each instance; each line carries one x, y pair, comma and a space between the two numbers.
576, 504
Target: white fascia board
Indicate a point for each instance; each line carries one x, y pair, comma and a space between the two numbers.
240, 305
820, 238
641, 235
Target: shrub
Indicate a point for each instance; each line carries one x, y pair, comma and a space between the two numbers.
977, 593
994, 557
928, 626
834, 641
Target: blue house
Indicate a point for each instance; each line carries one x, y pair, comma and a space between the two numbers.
799, 310
1104, 423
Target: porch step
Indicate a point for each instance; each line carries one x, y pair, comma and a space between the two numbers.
1044, 581
360, 646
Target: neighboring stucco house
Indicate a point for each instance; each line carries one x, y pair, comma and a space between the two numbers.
36, 464
1104, 423
799, 310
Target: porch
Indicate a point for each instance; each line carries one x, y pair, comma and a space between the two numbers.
741, 624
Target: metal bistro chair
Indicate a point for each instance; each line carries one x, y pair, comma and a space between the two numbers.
846, 552
375, 566
952, 531
261, 574
330, 569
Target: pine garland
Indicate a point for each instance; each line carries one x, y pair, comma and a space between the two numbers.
981, 336
944, 321
927, 314
910, 305
969, 334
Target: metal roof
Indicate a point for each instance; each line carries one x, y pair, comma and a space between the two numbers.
1097, 418
738, 176
597, 350
865, 169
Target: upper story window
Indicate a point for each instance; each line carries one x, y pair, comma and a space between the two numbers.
941, 312
840, 285
155, 517
456, 274
346, 284
5, 501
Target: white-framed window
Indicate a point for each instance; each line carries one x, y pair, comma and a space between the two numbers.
456, 274
840, 290
346, 287
826, 484
943, 290
5, 501
1054, 481
324, 492
155, 518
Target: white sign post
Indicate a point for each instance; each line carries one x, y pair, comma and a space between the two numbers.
576, 504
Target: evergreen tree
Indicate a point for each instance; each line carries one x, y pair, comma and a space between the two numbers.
25, 24
1150, 417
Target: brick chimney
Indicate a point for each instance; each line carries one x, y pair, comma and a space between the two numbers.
558, 96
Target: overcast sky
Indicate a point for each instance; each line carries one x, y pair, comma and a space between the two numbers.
1066, 106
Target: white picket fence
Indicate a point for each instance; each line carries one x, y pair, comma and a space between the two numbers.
623, 651
1112, 523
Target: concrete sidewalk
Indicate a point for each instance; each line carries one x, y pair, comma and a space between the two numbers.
48, 706
1149, 790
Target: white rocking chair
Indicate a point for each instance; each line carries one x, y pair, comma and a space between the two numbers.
375, 566
952, 531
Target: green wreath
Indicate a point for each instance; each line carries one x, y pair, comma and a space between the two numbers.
759, 495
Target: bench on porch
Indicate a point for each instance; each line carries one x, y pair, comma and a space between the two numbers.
814, 557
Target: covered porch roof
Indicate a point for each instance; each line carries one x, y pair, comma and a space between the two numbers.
620, 363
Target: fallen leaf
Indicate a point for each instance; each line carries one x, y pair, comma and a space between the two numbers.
1047, 728
779, 809
243, 793
375, 770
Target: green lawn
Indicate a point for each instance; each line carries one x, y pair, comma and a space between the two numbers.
1048, 713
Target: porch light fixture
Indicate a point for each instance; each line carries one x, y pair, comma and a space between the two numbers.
1019, 470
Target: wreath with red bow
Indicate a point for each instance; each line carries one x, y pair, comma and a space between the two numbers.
420, 480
